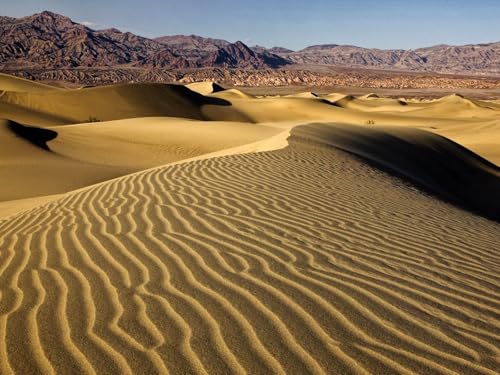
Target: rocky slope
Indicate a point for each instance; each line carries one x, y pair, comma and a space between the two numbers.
276, 50
262, 77
241, 56
477, 58
47, 42
468, 59
192, 47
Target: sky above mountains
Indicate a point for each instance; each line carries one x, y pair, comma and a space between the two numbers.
293, 24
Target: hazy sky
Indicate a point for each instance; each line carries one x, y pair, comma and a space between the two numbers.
291, 23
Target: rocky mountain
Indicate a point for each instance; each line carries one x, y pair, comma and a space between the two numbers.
50, 41
192, 47
352, 56
47, 40
468, 59
238, 55
263, 77
472, 58
208, 52
276, 50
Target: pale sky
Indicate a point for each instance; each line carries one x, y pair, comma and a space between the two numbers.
292, 23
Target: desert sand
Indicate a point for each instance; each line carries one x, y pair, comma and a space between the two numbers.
167, 229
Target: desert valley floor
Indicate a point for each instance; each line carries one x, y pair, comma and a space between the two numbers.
154, 229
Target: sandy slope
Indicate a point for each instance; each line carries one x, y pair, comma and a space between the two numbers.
205, 88
28, 171
12, 83
146, 142
354, 244
300, 260
85, 154
434, 163
112, 103
474, 124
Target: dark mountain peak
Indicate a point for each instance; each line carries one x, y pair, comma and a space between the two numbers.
49, 17
193, 48
239, 55
48, 13
240, 45
239, 49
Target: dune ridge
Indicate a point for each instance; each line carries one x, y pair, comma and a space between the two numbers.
433, 162
12, 83
286, 261
93, 104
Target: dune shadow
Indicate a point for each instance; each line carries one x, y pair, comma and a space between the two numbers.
432, 163
199, 99
37, 136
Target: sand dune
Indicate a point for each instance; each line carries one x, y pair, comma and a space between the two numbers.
305, 95
301, 260
375, 104
333, 97
158, 140
128, 101
28, 170
12, 83
369, 96
231, 94
224, 233
81, 155
205, 88
449, 116
434, 163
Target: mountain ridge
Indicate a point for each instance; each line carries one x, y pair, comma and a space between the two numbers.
49, 40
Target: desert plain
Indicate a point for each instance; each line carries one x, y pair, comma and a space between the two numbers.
156, 228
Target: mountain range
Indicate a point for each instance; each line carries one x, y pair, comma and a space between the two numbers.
51, 41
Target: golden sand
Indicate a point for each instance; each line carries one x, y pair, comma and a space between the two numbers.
304, 234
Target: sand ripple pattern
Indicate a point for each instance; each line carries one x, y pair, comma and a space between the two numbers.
302, 260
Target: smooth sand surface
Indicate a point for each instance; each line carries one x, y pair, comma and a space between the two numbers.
205, 88
108, 103
299, 235
12, 83
157, 140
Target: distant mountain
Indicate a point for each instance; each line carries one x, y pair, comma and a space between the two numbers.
191, 42
275, 50
209, 52
50, 41
468, 59
192, 47
238, 55
471, 58
279, 50
351, 56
